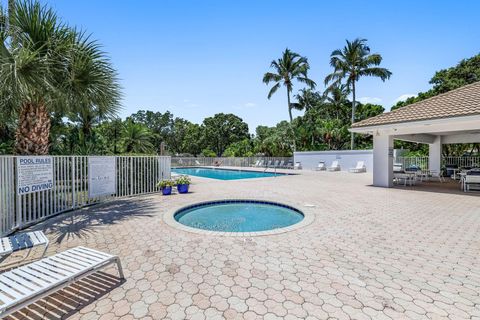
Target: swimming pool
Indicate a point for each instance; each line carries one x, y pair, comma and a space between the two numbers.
238, 216
224, 174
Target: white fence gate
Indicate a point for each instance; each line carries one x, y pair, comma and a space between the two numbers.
135, 175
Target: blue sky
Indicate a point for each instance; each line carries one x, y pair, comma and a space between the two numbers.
198, 58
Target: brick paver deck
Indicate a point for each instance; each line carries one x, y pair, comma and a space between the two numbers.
370, 253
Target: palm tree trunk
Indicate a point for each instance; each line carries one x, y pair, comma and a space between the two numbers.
354, 105
33, 131
291, 120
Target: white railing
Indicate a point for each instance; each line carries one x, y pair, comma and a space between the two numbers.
227, 161
422, 162
136, 175
462, 161
408, 162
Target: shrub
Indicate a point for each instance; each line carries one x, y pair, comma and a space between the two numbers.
183, 180
166, 183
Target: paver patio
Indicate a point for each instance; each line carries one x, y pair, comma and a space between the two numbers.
371, 253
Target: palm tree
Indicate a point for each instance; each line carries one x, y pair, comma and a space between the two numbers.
48, 68
137, 138
290, 67
307, 99
336, 96
353, 62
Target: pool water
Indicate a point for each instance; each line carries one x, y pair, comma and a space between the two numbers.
238, 216
223, 174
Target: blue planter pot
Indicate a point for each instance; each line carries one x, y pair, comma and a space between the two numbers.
182, 188
167, 191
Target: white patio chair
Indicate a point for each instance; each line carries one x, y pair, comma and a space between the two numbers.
22, 241
471, 180
436, 175
25, 285
197, 163
297, 166
321, 166
359, 168
282, 164
275, 164
334, 167
407, 178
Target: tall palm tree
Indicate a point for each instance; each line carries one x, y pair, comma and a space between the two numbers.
48, 68
350, 64
289, 68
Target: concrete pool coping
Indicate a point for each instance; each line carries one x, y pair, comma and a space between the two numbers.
308, 218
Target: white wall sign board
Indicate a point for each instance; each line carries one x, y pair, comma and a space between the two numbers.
102, 176
34, 173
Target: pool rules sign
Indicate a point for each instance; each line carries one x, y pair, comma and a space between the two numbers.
102, 176
34, 174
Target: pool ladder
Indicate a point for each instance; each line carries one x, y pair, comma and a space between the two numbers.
274, 170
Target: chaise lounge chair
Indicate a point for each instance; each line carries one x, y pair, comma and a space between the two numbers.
297, 166
197, 163
321, 166
25, 285
22, 241
334, 167
359, 168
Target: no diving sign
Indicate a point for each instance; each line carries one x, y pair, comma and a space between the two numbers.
34, 174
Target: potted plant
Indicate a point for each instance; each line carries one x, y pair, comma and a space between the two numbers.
183, 182
166, 186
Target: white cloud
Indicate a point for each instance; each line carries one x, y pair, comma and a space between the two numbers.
373, 100
403, 97
249, 105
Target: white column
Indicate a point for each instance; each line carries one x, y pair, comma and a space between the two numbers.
382, 160
435, 154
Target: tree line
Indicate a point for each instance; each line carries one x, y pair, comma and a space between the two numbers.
60, 94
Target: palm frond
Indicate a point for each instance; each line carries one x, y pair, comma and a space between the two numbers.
273, 89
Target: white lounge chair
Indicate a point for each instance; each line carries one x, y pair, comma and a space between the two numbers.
282, 164
359, 168
275, 164
297, 166
256, 164
321, 166
334, 167
22, 241
197, 163
25, 285
269, 164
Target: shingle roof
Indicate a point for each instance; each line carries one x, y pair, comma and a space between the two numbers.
464, 101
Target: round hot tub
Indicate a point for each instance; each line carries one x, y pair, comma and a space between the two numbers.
238, 216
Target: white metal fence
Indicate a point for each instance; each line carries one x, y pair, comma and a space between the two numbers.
135, 175
226, 161
462, 161
422, 162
